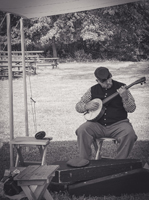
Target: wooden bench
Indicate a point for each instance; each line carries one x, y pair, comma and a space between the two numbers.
19, 53
4, 68
31, 58
15, 73
20, 142
47, 62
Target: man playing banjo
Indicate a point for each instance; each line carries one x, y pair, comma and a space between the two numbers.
110, 120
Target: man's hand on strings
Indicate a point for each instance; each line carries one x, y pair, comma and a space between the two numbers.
123, 92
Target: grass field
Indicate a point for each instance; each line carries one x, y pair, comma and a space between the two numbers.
56, 92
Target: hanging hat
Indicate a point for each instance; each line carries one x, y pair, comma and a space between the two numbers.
78, 162
102, 73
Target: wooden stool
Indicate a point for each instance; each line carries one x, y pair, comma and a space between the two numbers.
34, 181
19, 142
98, 146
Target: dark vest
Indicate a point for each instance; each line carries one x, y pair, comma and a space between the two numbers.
114, 108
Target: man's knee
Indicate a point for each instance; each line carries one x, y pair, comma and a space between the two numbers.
128, 133
80, 130
131, 133
85, 132
83, 129
80, 133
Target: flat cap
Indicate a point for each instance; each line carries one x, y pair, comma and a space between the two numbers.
102, 73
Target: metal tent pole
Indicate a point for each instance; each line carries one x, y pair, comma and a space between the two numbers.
24, 77
10, 87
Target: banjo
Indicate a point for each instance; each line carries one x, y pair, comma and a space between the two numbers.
97, 114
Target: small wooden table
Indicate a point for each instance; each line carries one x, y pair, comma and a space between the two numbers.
34, 181
19, 142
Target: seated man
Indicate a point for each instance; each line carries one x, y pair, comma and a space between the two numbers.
114, 122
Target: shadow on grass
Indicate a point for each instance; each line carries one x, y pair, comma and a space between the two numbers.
65, 150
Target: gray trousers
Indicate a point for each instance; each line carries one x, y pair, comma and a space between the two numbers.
122, 131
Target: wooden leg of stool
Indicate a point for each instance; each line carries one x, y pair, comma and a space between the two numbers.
17, 161
98, 154
43, 152
43, 162
41, 149
19, 158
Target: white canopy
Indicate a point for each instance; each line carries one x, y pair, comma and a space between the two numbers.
40, 8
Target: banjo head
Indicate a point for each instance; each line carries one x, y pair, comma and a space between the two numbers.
91, 115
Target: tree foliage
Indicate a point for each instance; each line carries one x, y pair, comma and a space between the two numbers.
118, 32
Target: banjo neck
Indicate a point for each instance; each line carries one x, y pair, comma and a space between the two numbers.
106, 100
